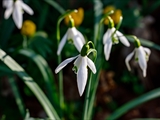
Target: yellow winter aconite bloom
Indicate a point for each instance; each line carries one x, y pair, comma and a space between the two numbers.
109, 8
115, 16
28, 28
77, 17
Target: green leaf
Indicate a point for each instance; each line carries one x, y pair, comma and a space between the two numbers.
43, 16
135, 102
17, 95
14, 66
55, 5
46, 73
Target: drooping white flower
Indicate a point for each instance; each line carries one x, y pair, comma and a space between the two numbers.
109, 40
75, 35
80, 64
16, 9
142, 55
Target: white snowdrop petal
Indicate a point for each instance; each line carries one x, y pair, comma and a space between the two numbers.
107, 35
147, 50
82, 76
91, 65
8, 12
128, 58
7, 3
78, 61
81, 37
27, 8
141, 58
76, 39
122, 38
17, 14
144, 72
62, 43
107, 49
64, 63
70, 34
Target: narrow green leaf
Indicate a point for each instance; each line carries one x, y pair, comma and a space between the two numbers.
43, 16
55, 5
17, 95
14, 66
137, 101
45, 72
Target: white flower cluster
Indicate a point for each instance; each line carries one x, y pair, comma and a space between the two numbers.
141, 53
81, 62
111, 37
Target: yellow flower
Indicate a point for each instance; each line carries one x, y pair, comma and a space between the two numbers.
109, 8
77, 17
28, 28
115, 16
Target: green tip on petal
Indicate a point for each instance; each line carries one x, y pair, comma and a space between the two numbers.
115, 40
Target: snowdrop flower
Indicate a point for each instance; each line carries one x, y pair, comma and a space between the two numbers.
72, 34
80, 67
16, 9
111, 38
141, 54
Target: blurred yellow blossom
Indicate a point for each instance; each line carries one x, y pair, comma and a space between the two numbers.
115, 16
28, 28
77, 17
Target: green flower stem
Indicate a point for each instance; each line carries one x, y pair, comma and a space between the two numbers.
117, 27
25, 41
95, 80
87, 99
16, 68
60, 75
88, 94
119, 23
98, 44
